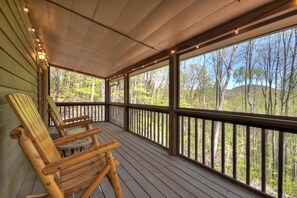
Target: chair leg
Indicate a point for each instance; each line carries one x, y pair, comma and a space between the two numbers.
87, 193
113, 175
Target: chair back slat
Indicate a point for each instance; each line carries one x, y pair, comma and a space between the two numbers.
54, 108
27, 113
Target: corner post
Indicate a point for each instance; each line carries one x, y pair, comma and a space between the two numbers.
126, 102
173, 103
106, 109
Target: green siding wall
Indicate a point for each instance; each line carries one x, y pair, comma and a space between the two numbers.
18, 73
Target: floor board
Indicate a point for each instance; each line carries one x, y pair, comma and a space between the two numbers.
146, 170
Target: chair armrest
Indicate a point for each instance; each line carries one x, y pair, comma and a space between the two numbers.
78, 136
81, 118
75, 159
74, 124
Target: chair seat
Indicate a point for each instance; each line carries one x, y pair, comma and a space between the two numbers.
85, 142
77, 177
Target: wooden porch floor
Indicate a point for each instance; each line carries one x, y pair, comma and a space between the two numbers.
147, 170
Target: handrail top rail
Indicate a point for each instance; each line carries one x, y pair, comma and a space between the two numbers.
118, 104
79, 103
162, 109
241, 113
272, 122
283, 125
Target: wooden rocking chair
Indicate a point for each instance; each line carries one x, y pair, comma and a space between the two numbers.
65, 127
70, 127
61, 176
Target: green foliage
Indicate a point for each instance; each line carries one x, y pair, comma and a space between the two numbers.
150, 88
68, 86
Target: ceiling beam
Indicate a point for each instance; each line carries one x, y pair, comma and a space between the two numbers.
102, 25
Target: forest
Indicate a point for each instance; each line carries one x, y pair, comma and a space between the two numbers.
69, 86
258, 76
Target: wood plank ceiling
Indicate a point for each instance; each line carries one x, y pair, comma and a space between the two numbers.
101, 37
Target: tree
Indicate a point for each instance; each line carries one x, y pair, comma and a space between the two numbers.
223, 62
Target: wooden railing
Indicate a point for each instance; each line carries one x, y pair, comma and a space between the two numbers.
150, 122
96, 110
116, 114
204, 136
231, 144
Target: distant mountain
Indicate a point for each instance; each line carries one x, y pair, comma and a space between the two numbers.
239, 90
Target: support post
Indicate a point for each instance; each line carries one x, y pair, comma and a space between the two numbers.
173, 103
107, 95
126, 102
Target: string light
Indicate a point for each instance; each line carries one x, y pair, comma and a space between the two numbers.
236, 31
37, 40
155, 61
32, 29
143, 66
26, 9
41, 55
197, 46
172, 51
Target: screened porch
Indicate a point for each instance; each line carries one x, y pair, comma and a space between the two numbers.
200, 95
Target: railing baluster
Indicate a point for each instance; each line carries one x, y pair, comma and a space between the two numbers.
72, 111
223, 148
60, 110
248, 153
64, 112
263, 160
94, 111
154, 126
136, 118
212, 144
196, 139
158, 127
99, 112
162, 121
182, 135
88, 113
150, 125
142, 118
280, 163
138, 123
132, 116
146, 127
167, 130
131, 120
203, 141
234, 151
189, 136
